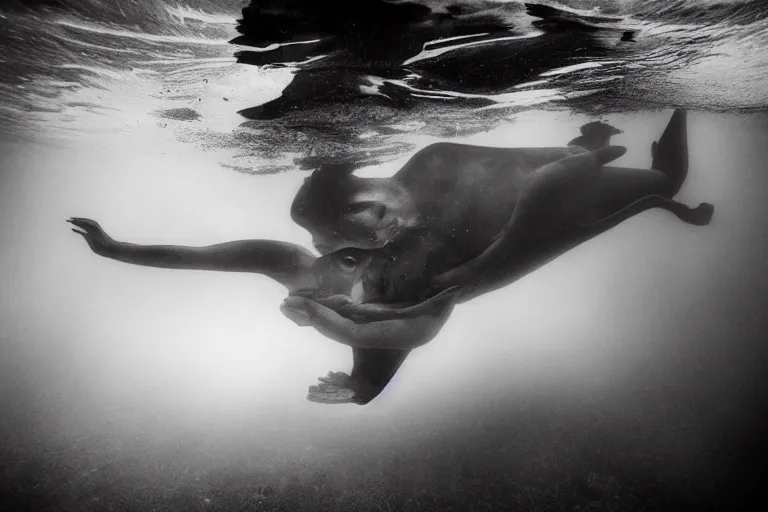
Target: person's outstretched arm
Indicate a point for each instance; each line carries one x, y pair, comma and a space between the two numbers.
285, 262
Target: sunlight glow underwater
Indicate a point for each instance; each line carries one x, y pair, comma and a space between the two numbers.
211, 351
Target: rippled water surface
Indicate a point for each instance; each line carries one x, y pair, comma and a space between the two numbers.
355, 91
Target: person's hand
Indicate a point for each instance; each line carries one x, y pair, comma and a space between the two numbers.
298, 309
97, 239
335, 302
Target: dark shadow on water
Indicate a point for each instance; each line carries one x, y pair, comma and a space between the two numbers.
367, 66
406, 53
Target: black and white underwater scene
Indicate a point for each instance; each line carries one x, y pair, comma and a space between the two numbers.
383, 255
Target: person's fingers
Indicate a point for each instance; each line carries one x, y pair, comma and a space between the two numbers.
295, 308
80, 223
86, 224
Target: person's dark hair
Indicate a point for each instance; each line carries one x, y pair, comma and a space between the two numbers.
322, 197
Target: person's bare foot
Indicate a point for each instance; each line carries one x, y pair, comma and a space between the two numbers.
702, 214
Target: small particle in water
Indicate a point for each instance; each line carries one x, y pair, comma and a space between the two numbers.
226, 99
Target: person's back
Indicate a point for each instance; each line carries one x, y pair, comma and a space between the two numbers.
465, 194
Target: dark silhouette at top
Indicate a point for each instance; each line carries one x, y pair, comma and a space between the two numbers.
403, 53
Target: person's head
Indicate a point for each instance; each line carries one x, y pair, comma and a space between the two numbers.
347, 272
367, 276
341, 210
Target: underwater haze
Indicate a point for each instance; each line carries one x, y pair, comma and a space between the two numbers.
627, 374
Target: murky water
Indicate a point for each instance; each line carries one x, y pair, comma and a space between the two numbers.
626, 374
